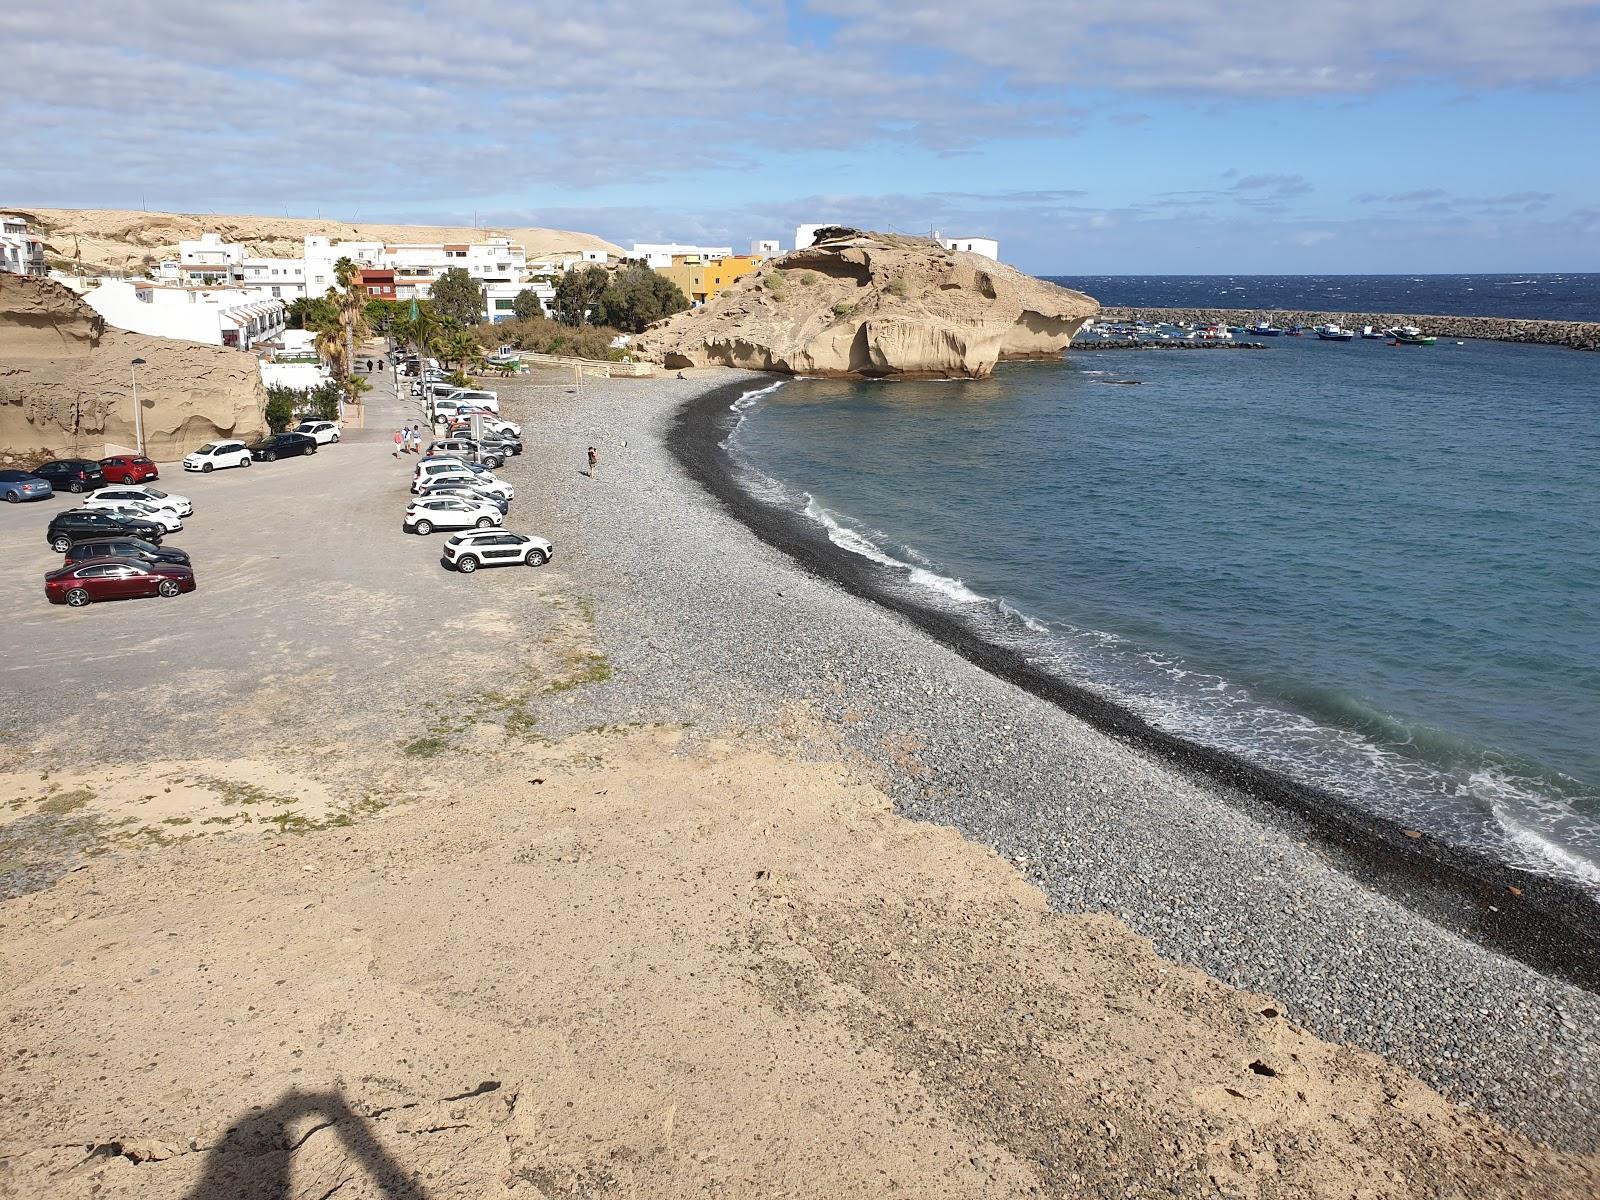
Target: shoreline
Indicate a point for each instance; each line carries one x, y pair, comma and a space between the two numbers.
1549, 927
1573, 335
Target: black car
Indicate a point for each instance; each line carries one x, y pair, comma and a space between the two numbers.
87, 524
282, 445
126, 547
72, 474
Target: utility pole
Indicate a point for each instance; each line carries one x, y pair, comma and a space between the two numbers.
138, 410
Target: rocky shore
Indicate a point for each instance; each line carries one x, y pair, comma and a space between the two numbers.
1576, 335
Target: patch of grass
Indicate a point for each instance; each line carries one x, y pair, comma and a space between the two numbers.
424, 747
65, 802
808, 278
843, 309
896, 287
587, 667
233, 792
177, 820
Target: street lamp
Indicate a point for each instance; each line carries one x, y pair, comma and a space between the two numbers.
138, 412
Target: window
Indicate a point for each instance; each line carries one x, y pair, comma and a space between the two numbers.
277, 293
504, 305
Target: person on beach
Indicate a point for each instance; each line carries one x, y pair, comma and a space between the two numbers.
399, 441
594, 463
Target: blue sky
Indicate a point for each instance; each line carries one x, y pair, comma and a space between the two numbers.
1147, 136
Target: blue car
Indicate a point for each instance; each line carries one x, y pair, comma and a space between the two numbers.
19, 485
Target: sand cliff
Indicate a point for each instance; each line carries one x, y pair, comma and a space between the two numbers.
66, 388
874, 304
119, 241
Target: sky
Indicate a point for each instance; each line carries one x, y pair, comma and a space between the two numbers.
1125, 137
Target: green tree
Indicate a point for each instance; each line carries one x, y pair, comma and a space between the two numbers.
637, 296
305, 312
461, 347
527, 305
281, 401
456, 294
577, 292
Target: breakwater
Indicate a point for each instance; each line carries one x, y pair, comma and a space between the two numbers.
1577, 335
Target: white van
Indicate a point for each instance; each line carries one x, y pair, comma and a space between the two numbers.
477, 399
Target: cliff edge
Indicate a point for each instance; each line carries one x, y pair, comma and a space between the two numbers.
65, 385
873, 305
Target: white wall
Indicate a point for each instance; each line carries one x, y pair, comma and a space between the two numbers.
987, 247
119, 304
659, 254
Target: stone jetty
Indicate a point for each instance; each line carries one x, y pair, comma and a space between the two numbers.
1578, 335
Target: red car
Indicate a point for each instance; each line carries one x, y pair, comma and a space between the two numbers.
82, 583
129, 468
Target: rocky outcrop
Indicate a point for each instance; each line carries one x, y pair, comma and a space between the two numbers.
1578, 335
66, 388
875, 305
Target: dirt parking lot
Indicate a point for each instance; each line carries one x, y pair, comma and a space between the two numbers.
309, 595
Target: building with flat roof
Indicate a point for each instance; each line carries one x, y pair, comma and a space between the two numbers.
21, 251
212, 316
987, 247
661, 254
702, 279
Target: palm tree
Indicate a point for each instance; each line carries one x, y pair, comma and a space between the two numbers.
461, 348
351, 304
331, 343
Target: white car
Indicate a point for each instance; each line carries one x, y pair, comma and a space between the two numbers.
323, 431
430, 469
483, 483
167, 518
449, 512
143, 494
466, 552
217, 454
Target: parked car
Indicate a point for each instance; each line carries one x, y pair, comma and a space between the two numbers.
167, 518
282, 445
449, 512
437, 467
125, 547
468, 551
115, 579
214, 455
17, 486
142, 494
468, 491
475, 398
72, 474
84, 524
490, 454
484, 483
323, 431
129, 468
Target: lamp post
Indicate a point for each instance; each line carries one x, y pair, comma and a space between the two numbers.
138, 412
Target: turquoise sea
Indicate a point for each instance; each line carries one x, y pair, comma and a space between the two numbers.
1373, 568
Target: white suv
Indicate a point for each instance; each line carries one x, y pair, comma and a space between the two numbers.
217, 454
466, 552
323, 431
121, 493
449, 512
167, 518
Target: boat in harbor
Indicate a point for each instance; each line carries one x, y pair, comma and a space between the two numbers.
1372, 335
1410, 335
1334, 332
1265, 329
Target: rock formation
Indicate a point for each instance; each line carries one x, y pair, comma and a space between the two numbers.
873, 304
65, 384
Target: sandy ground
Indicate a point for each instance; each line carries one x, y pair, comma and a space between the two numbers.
633, 961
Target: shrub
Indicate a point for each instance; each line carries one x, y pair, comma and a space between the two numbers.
280, 406
541, 335
843, 309
807, 278
896, 287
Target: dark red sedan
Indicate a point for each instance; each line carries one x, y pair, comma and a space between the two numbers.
129, 468
82, 583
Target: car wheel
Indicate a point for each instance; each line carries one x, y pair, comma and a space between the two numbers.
246, 461
423, 527
77, 597
12, 497
336, 437
61, 544
270, 456
485, 522
311, 449
75, 486
536, 558
467, 565
491, 463
127, 480
206, 470
168, 588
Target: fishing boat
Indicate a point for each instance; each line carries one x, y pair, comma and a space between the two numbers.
1334, 332
1372, 335
506, 356
1265, 329
1410, 335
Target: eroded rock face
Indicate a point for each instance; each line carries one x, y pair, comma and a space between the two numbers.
874, 304
66, 386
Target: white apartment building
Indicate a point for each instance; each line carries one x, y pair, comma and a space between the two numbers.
213, 316
278, 278
21, 253
987, 247
656, 255
209, 260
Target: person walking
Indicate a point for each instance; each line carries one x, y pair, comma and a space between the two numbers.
416, 439
594, 463
399, 441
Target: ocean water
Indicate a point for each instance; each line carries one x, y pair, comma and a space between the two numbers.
1373, 568
1573, 297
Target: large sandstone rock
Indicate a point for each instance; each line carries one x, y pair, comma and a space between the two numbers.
65, 384
873, 304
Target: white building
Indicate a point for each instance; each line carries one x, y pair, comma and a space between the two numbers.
987, 247
209, 261
21, 253
278, 278
766, 247
213, 316
805, 235
657, 255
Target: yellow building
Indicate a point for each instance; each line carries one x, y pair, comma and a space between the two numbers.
701, 279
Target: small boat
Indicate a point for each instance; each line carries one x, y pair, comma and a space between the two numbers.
1372, 335
1295, 330
1265, 329
1334, 332
1410, 335
506, 356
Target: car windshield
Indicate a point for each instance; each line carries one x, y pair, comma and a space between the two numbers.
157, 494
208, 448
